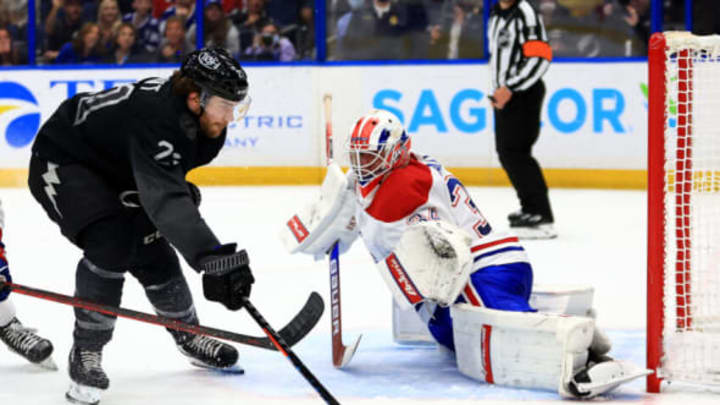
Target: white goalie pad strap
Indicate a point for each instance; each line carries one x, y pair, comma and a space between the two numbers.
563, 299
521, 349
432, 261
317, 226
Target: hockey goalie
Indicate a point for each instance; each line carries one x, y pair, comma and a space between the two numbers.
438, 255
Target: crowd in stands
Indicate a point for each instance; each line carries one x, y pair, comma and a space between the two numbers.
157, 31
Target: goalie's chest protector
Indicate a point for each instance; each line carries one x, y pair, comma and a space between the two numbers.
425, 191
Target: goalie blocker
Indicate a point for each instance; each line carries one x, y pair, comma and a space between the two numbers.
317, 226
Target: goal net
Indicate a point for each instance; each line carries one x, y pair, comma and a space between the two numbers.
683, 335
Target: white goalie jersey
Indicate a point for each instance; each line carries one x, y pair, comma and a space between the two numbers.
424, 191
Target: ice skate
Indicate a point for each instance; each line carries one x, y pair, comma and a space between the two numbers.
209, 353
603, 377
25, 342
531, 226
88, 378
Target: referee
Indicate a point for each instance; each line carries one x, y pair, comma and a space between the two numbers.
519, 56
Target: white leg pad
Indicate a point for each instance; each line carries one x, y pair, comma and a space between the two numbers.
520, 349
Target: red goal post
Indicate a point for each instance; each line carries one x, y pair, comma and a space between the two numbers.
683, 256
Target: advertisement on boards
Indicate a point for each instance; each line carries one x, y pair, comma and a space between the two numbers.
274, 133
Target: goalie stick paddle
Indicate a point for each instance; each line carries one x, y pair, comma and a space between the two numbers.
284, 348
341, 354
292, 333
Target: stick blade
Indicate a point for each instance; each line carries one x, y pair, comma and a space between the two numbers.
342, 357
304, 321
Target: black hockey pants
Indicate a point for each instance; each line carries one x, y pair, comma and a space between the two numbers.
115, 240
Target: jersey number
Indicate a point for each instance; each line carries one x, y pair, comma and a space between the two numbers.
458, 194
95, 101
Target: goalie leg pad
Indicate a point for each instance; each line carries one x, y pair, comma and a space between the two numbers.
520, 349
432, 261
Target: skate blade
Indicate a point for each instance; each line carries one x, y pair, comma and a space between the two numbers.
48, 364
83, 395
234, 369
608, 386
540, 232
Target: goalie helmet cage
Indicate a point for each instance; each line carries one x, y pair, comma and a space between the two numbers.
683, 260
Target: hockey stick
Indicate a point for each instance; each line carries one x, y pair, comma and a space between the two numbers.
341, 354
284, 348
292, 333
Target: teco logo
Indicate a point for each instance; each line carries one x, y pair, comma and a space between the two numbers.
19, 115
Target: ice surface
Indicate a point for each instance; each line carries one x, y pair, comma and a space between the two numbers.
602, 242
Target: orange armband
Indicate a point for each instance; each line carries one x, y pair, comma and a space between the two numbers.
538, 49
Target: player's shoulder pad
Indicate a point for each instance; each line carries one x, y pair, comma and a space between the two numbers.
402, 192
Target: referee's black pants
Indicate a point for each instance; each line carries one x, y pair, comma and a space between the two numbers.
517, 127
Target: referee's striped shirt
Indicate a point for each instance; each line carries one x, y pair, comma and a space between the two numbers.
519, 51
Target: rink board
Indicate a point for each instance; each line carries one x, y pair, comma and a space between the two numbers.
594, 119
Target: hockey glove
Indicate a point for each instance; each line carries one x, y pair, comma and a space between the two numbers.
227, 278
195, 193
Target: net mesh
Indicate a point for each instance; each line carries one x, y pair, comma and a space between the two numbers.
691, 335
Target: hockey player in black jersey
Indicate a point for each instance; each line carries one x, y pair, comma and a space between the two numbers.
109, 169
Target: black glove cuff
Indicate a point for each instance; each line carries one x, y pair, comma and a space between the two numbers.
222, 264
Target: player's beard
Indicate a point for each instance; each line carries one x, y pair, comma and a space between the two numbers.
211, 129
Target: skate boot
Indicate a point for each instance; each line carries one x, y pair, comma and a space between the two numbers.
514, 216
532, 226
87, 375
208, 353
25, 342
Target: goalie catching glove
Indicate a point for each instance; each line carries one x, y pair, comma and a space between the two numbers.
227, 278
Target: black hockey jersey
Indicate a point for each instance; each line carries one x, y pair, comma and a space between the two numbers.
140, 137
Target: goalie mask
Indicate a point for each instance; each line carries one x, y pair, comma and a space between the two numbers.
377, 144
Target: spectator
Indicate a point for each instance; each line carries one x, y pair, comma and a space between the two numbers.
159, 7
250, 20
305, 33
184, 9
146, 26
124, 50
460, 33
268, 45
371, 30
64, 19
108, 19
174, 45
218, 30
14, 17
638, 17
10, 53
84, 48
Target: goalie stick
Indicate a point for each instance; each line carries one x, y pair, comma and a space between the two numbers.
341, 354
292, 333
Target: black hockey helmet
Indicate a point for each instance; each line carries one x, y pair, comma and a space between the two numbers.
216, 72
